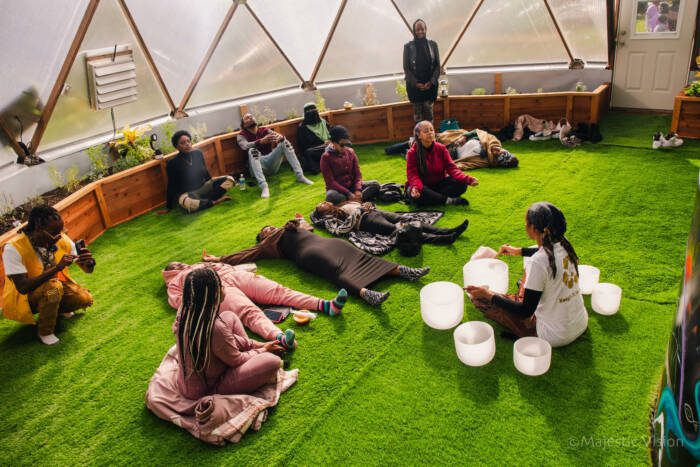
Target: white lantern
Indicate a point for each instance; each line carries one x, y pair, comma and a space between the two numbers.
606, 298
475, 343
489, 272
532, 356
588, 277
442, 305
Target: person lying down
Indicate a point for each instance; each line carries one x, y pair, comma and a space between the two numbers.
330, 258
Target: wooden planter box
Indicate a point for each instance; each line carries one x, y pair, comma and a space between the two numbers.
686, 116
123, 196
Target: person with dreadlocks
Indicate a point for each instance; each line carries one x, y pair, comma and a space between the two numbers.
215, 354
433, 178
244, 289
331, 258
36, 273
549, 303
312, 137
189, 184
421, 66
341, 171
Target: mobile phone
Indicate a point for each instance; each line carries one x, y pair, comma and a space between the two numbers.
277, 314
79, 245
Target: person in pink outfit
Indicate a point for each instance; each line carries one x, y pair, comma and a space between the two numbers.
244, 289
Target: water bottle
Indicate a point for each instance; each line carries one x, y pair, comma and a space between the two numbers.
241, 183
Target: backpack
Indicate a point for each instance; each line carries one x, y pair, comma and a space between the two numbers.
390, 193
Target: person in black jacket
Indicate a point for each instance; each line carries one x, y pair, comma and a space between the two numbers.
189, 182
421, 65
312, 138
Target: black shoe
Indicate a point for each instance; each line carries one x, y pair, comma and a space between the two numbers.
457, 201
459, 230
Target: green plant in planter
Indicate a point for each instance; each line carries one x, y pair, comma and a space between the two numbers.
693, 89
68, 181
198, 132
580, 87
134, 144
400, 90
168, 130
511, 90
265, 116
99, 163
540, 90
479, 92
369, 96
292, 114
320, 102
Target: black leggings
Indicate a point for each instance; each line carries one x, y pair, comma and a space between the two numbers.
311, 159
438, 194
384, 223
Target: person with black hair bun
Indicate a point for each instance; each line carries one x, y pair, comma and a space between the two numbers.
189, 184
549, 303
36, 273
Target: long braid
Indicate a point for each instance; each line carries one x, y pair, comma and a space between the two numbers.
548, 219
198, 312
570, 251
548, 246
420, 151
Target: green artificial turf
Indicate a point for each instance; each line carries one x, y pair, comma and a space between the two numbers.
376, 385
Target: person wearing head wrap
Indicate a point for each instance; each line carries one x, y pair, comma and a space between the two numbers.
549, 304
312, 137
421, 66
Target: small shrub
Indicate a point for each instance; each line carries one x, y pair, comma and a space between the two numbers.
511, 90
199, 132
369, 96
479, 92
400, 90
99, 163
168, 130
292, 114
7, 207
72, 178
264, 116
320, 102
56, 177
580, 87
693, 89
540, 90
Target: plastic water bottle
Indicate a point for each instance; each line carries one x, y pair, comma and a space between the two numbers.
241, 183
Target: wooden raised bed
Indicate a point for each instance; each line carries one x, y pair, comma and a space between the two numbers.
686, 116
123, 196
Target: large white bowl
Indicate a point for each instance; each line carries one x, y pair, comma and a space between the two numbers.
475, 343
442, 305
588, 277
532, 356
487, 272
605, 299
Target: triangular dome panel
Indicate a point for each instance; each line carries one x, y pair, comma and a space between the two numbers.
509, 32
31, 60
584, 25
301, 40
73, 119
444, 18
245, 62
178, 34
368, 41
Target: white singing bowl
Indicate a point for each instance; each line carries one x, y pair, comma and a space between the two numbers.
532, 356
487, 272
475, 343
442, 305
605, 299
588, 277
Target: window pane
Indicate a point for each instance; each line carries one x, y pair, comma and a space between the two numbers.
584, 25
245, 62
178, 34
73, 119
368, 41
508, 32
444, 18
657, 16
36, 36
301, 40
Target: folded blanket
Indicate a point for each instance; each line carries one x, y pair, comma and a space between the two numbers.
213, 419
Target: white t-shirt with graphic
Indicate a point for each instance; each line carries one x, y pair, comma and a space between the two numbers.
12, 260
561, 314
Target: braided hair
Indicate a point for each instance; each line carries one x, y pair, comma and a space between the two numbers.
549, 220
39, 216
201, 297
421, 150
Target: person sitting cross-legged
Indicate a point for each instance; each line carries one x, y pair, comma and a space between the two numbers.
189, 184
266, 149
341, 171
37, 279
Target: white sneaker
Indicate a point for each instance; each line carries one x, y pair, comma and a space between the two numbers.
541, 136
265, 192
68, 315
673, 141
659, 141
303, 179
51, 339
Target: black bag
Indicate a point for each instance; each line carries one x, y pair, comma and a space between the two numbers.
408, 239
390, 193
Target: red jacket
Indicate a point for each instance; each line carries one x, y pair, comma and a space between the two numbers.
439, 166
247, 140
341, 170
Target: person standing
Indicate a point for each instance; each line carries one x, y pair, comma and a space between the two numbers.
421, 66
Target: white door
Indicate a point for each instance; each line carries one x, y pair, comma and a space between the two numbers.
652, 57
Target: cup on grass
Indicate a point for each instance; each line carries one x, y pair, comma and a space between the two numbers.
605, 299
532, 356
442, 305
475, 343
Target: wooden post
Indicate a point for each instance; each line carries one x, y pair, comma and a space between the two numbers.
595, 108
570, 107
677, 102
446, 106
243, 109
506, 110
164, 172
390, 122
498, 83
102, 204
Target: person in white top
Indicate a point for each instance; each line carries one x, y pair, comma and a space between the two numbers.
549, 303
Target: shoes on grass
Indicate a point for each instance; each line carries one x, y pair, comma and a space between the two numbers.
670, 141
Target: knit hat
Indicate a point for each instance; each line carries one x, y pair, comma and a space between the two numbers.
338, 132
